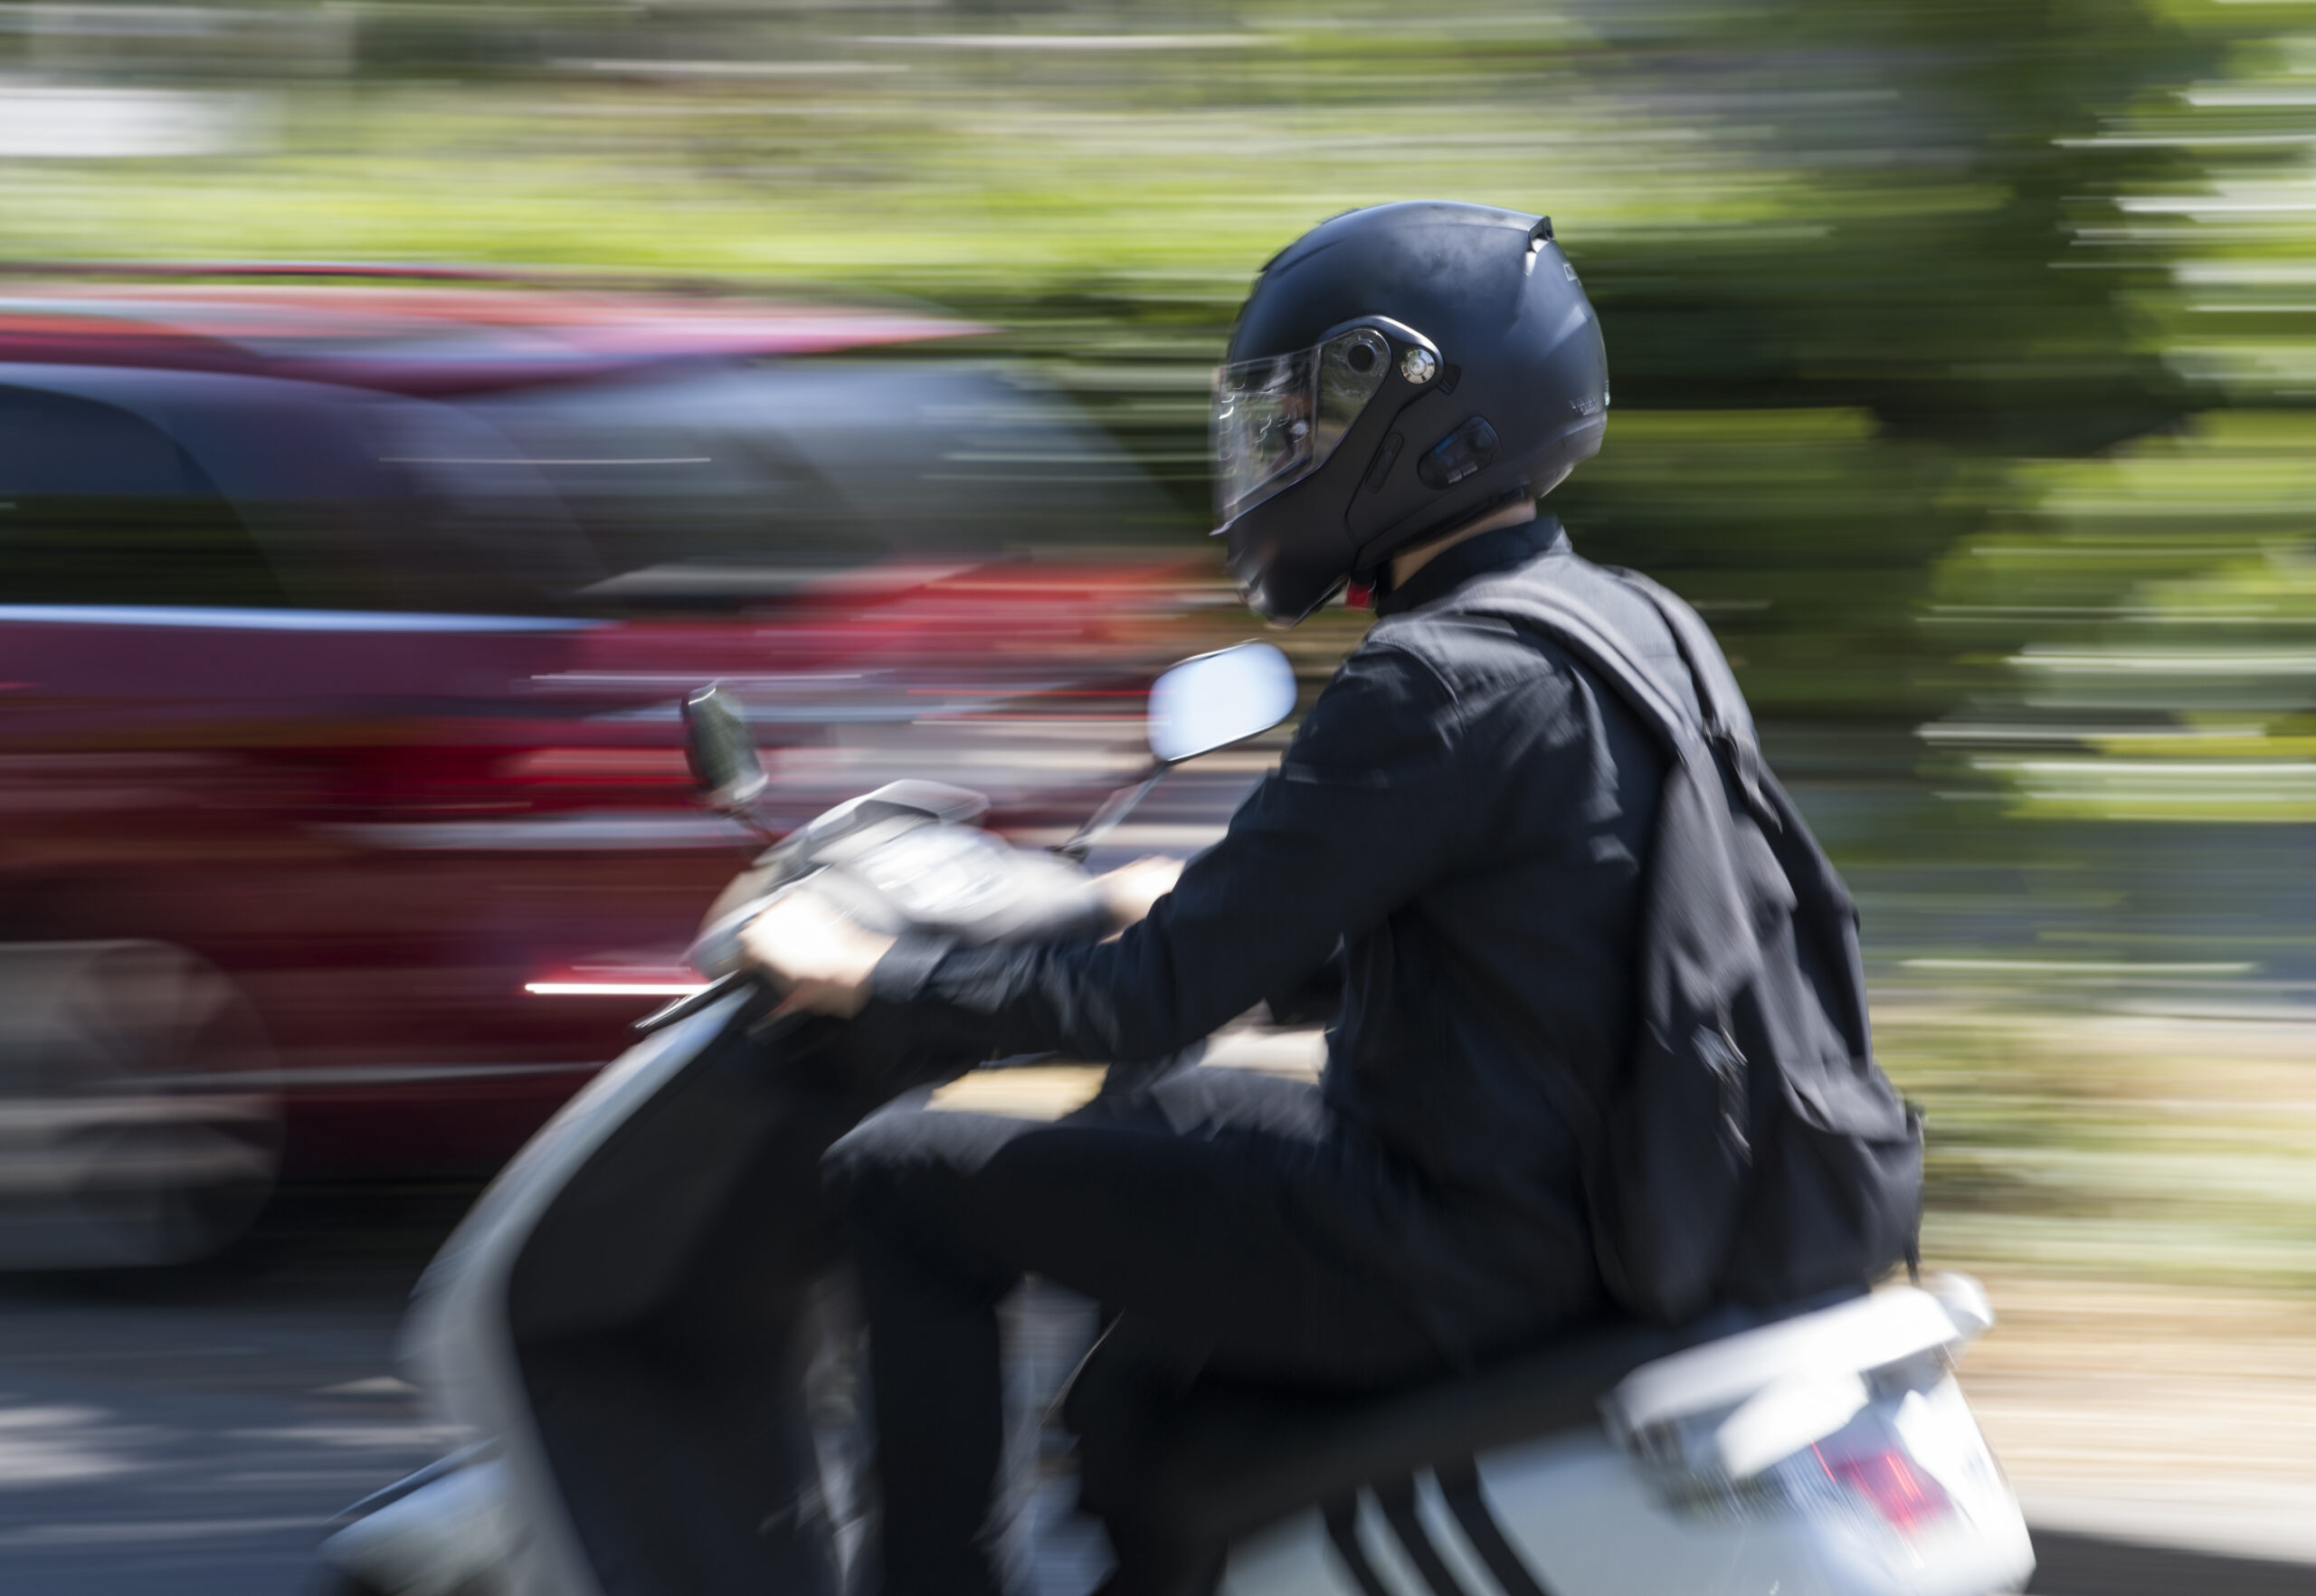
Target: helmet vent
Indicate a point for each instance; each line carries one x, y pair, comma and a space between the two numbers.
1539, 236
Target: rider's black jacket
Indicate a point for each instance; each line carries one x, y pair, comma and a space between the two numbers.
1464, 813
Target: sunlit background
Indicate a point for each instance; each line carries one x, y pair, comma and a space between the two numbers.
1964, 364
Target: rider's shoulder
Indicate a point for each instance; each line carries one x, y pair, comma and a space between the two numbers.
1394, 663
1467, 652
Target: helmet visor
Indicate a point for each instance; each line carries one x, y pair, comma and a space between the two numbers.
1279, 418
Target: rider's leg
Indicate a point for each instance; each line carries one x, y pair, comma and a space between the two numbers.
1190, 1212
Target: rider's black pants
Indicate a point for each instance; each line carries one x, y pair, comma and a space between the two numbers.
1183, 1207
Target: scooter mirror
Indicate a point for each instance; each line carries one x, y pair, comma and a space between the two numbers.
721, 749
1215, 699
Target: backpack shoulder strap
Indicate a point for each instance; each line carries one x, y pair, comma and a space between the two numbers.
1728, 722
1579, 627
1582, 630
1725, 713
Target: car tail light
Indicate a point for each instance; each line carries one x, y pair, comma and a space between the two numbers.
1891, 1483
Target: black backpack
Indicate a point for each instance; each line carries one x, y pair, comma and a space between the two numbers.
1749, 1149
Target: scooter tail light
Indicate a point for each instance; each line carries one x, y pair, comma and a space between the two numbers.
1893, 1484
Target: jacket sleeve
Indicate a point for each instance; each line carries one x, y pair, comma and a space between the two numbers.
1364, 811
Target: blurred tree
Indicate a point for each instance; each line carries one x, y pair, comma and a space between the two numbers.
1920, 282
1856, 262
2131, 639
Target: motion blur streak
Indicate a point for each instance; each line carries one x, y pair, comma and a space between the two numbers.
612, 988
857, 354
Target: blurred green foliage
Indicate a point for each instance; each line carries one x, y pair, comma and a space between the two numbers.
1964, 356
1824, 238
2110, 1146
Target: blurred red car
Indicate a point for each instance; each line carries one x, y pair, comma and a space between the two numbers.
342, 630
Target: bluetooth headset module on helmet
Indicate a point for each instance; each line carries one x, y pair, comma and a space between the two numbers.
1397, 372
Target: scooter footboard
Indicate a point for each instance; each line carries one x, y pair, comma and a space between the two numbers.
665, 1306
720, 1167
689, 1474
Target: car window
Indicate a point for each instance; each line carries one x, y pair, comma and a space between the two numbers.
99, 507
741, 482
462, 518
954, 456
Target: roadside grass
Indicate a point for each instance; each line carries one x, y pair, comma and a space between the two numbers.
2123, 1147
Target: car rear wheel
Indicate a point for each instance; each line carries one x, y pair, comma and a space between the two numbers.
139, 1123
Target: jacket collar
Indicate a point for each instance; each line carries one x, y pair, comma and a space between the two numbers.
1475, 556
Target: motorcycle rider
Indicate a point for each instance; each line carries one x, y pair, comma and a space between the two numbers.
1458, 830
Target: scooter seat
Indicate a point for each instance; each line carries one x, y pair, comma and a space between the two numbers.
1176, 1482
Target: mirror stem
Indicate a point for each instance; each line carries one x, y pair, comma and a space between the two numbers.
1115, 808
747, 815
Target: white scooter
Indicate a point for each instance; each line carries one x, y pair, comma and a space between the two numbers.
642, 1323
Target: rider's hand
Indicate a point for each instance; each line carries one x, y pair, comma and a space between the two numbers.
815, 954
821, 959
1128, 892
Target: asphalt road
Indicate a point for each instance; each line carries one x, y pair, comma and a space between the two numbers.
191, 1435
2087, 1565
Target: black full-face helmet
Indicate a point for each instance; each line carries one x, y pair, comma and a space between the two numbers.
1397, 372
